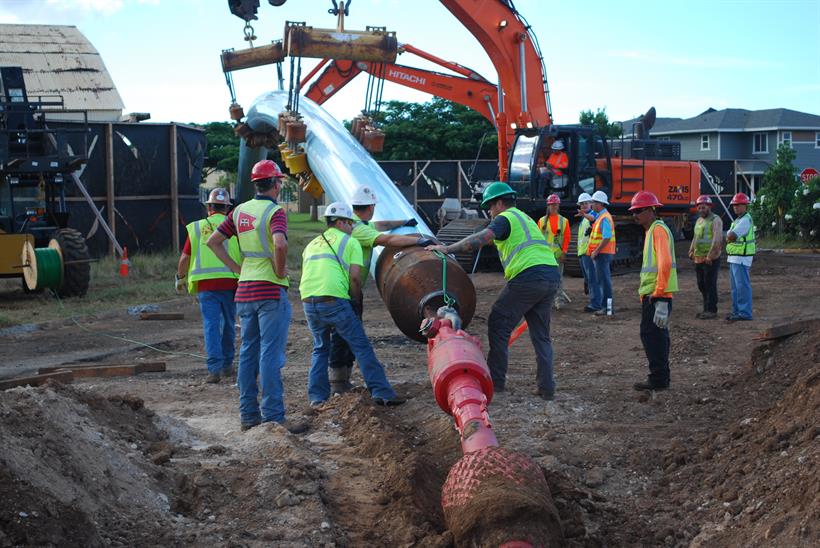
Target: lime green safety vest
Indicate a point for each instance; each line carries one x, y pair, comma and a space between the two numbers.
525, 247
649, 268
555, 240
583, 237
742, 246
703, 235
326, 265
252, 221
204, 265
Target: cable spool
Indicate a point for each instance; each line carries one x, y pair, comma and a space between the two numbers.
43, 267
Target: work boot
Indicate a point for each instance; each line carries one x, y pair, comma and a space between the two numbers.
590, 309
229, 374
389, 402
248, 425
340, 379
707, 315
212, 378
295, 427
649, 386
547, 395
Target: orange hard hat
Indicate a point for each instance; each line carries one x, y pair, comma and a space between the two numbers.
644, 199
740, 199
704, 199
265, 169
553, 199
219, 196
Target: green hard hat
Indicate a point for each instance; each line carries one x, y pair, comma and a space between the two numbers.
496, 190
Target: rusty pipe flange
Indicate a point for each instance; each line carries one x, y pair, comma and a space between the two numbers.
496, 496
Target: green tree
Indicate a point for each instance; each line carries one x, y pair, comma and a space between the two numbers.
803, 217
222, 149
435, 130
600, 119
775, 197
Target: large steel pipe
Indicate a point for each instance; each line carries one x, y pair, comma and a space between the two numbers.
410, 282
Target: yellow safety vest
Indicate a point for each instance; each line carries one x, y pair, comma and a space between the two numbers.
703, 235
554, 241
204, 264
744, 246
252, 221
583, 237
525, 247
649, 268
326, 265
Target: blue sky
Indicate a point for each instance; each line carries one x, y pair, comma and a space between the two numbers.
681, 57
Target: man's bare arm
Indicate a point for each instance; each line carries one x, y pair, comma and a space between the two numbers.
381, 226
182, 266
473, 242
355, 290
280, 255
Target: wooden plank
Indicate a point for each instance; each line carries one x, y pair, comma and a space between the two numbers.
109, 187
36, 380
174, 191
786, 329
104, 371
161, 316
147, 367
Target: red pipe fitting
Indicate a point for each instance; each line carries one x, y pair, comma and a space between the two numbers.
462, 384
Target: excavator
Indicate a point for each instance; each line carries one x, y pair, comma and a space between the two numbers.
519, 107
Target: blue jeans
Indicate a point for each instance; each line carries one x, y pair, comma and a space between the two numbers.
324, 317
588, 269
219, 324
264, 337
603, 279
741, 290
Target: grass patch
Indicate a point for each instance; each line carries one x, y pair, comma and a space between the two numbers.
783, 241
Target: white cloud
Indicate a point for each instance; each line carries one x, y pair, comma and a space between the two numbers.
9, 18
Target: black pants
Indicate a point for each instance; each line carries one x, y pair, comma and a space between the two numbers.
655, 343
707, 275
340, 353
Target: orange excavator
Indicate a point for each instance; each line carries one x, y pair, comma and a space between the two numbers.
520, 109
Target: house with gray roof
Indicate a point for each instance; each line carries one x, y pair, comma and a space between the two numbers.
740, 144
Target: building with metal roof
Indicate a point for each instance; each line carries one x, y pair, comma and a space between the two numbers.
59, 60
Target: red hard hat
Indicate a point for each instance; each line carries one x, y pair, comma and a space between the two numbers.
554, 199
740, 199
704, 199
644, 199
265, 169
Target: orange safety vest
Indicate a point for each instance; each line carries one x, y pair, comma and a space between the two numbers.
559, 162
596, 237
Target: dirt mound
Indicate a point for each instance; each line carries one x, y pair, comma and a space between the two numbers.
757, 482
74, 468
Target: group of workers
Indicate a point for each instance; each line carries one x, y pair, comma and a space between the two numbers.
236, 264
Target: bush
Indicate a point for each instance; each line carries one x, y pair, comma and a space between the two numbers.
803, 217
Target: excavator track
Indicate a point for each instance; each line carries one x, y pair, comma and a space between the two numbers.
459, 229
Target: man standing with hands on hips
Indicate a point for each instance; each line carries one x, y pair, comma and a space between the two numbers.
658, 282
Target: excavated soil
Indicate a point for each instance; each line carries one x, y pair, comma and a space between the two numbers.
727, 457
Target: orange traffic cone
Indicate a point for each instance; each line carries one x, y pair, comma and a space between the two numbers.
124, 263
517, 332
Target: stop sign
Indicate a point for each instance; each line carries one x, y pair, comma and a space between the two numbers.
808, 174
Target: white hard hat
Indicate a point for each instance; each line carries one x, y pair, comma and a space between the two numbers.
338, 210
558, 145
363, 196
584, 197
600, 196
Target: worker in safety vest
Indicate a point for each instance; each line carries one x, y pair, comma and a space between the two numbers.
558, 160
740, 250
705, 250
601, 250
369, 234
532, 281
214, 285
331, 265
556, 230
658, 282
584, 231
261, 227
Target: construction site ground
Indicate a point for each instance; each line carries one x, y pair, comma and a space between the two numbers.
728, 457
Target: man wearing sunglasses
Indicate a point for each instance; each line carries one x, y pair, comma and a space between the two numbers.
658, 282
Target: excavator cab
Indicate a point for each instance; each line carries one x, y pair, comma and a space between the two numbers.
588, 160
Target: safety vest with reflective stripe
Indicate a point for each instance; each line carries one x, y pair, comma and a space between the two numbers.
204, 265
555, 240
649, 268
703, 235
326, 265
742, 246
525, 247
252, 221
596, 237
583, 237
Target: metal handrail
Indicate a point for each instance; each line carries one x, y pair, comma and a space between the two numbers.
711, 180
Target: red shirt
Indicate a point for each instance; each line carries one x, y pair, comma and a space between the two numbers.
214, 284
258, 290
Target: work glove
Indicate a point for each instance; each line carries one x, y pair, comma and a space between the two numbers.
661, 318
424, 241
179, 284
411, 222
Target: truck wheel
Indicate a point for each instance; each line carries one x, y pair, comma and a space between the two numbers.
76, 276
